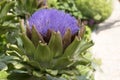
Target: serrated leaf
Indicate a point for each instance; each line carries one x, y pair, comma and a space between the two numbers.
14, 47
9, 17
52, 72
28, 45
6, 8
19, 41
38, 74
69, 73
55, 44
24, 8
6, 59
85, 45
4, 29
53, 78
20, 71
3, 66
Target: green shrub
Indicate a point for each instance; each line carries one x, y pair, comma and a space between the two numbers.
98, 10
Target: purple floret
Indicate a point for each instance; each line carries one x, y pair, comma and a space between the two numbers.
52, 19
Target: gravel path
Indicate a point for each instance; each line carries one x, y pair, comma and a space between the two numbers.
107, 45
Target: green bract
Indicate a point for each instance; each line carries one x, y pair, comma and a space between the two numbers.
95, 9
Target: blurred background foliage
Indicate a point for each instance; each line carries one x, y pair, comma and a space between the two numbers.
11, 11
99, 10
65, 5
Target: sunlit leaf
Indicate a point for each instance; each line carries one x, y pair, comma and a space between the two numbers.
3, 75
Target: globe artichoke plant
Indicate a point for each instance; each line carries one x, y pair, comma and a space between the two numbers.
53, 45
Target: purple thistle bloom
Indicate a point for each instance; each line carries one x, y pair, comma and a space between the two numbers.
52, 19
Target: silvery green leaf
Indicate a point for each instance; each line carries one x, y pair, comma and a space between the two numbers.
19, 71
81, 78
6, 59
53, 78
19, 42
3, 66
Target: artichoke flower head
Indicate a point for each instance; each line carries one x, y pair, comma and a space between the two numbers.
52, 41
52, 19
47, 21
